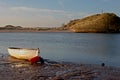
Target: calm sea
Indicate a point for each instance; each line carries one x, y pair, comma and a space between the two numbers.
70, 47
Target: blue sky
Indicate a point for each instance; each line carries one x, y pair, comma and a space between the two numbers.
51, 13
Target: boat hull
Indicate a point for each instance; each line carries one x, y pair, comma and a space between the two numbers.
23, 53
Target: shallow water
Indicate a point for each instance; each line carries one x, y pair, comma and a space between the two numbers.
71, 47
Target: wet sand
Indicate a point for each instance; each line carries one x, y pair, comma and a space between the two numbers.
14, 69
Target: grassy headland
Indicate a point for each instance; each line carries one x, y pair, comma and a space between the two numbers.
105, 22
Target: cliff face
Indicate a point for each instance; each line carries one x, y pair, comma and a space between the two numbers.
106, 22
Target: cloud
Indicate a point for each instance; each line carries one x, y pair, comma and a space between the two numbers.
30, 17
35, 9
36, 17
45, 12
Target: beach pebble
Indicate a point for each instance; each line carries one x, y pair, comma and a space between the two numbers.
58, 73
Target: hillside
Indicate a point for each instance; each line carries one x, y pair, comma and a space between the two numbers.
105, 22
11, 28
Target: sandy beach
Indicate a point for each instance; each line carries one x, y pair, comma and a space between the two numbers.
14, 69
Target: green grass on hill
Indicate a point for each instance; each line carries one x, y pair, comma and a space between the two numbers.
105, 22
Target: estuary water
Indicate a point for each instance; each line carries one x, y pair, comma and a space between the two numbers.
88, 48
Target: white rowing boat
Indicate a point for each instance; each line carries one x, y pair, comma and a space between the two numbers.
23, 53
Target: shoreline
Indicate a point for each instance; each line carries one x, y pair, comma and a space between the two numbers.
3, 31
14, 69
53, 31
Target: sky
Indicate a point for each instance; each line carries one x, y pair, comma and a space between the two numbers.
51, 13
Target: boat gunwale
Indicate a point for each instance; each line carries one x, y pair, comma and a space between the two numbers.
24, 48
